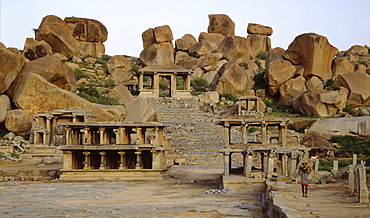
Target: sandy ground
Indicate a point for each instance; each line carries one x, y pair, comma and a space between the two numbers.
181, 194
327, 200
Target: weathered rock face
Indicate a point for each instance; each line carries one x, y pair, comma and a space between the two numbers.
51, 69
138, 110
258, 29
210, 98
235, 47
357, 50
234, 78
314, 83
277, 74
118, 62
36, 49
319, 102
4, 107
19, 122
221, 23
35, 94
163, 34
95, 49
289, 89
58, 34
122, 94
201, 48
313, 52
274, 54
185, 42
87, 30
341, 126
258, 43
11, 65
119, 68
158, 54
148, 38
357, 84
214, 39
360, 68
187, 62
210, 60
341, 65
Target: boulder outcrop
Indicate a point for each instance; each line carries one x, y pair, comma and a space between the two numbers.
341, 126
59, 35
158, 54
314, 52
221, 23
234, 78
163, 34
187, 62
138, 110
35, 94
357, 84
341, 65
51, 69
258, 43
273, 55
87, 30
4, 107
319, 102
277, 74
214, 39
34, 49
235, 47
259, 29
10, 70
18, 121
185, 42
289, 89
119, 68
148, 38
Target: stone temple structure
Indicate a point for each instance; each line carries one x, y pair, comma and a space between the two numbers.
150, 76
113, 151
272, 153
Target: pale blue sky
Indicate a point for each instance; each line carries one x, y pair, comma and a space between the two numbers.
343, 22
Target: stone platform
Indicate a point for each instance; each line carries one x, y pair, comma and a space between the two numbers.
111, 175
242, 184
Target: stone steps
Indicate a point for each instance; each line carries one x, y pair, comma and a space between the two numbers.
195, 134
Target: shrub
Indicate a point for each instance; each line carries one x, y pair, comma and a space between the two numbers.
200, 84
81, 74
94, 95
258, 62
259, 82
262, 55
228, 96
224, 58
349, 144
245, 65
135, 69
363, 62
252, 129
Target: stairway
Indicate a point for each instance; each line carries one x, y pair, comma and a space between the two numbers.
196, 136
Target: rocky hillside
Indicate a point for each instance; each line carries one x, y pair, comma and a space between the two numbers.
65, 67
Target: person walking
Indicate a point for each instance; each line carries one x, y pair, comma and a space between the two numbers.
304, 171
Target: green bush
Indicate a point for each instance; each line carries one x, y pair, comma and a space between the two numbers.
244, 64
200, 84
252, 129
179, 83
94, 95
135, 69
258, 62
349, 144
262, 55
224, 58
228, 96
81, 74
363, 62
259, 81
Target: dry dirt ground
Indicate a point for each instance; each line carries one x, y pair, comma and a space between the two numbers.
180, 194
326, 200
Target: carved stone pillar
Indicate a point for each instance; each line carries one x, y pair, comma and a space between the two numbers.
138, 160
271, 163
264, 134
248, 162
227, 158
68, 135
122, 159
227, 134
102, 135
67, 160
102, 160
245, 133
87, 160
87, 136
140, 135
283, 128
284, 164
